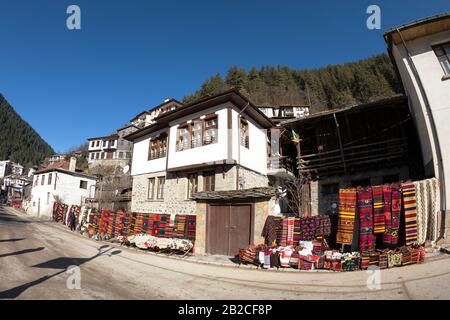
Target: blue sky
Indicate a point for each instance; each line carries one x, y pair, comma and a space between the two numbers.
131, 55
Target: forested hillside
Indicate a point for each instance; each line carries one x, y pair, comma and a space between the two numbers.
19, 142
331, 87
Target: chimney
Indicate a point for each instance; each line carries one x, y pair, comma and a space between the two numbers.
73, 164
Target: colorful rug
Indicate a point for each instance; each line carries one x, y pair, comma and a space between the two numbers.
409, 206
365, 210
378, 210
387, 200
347, 212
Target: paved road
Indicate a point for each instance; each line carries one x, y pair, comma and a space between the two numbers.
34, 257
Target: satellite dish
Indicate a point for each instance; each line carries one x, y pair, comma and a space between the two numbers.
126, 169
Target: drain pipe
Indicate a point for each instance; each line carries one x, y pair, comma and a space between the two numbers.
430, 116
239, 144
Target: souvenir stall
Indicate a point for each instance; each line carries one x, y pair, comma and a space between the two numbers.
143, 230
378, 226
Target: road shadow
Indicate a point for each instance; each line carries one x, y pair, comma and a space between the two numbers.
11, 240
6, 217
21, 252
59, 263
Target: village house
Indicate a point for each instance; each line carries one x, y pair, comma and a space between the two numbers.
284, 112
14, 186
208, 158
146, 118
60, 182
8, 167
421, 52
111, 150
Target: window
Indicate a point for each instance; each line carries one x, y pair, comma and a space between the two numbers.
48, 197
158, 148
42, 179
49, 178
151, 188
93, 144
192, 184
244, 134
98, 143
209, 181
211, 133
112, 143
160, 191
197, 133
97, 156
83, 184
36, 181
92, 156
443, 54
104, 143
120, 155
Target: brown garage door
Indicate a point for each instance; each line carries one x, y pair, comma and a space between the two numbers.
229, 228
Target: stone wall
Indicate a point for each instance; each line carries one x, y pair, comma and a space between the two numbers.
262, 209
250, 179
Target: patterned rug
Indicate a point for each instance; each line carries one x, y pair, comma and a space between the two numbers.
387, 207
409, 205
365, 210
347, 212
378, 210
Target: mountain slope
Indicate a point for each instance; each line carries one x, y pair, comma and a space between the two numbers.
331, 87
19, 142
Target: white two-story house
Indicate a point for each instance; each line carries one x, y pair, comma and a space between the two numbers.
212, 150
421, 52
59, 182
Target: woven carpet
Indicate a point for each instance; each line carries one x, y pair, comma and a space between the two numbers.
378, 210
365, 210
409, 205
347, 212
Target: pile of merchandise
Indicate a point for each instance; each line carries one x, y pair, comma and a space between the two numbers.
380, 226
145, 230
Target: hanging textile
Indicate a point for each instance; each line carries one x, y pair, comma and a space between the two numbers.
378, 210
307, 228
347, 211
387, 200
396, 211
422, 212
290, 232
365, 210
409, 205
434, 208
269, 231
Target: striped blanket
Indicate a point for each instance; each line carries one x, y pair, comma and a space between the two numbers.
409, 205
347, 211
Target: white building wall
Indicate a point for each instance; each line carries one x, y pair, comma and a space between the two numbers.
67, 190
255, 157
141, 164
438, 93
213, 152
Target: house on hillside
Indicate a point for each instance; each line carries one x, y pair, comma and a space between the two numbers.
208, 158
421, 52
60, 182
285, 112
147, 117
111, 150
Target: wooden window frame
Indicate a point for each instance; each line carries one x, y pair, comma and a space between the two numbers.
49, 179
245, 135
446, 55
192, 188
159, 145
190, 129
42, 179
159, 190
209, 181
151, 188
83, 182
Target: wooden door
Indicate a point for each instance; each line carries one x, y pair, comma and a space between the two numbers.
229, 229
240, 228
